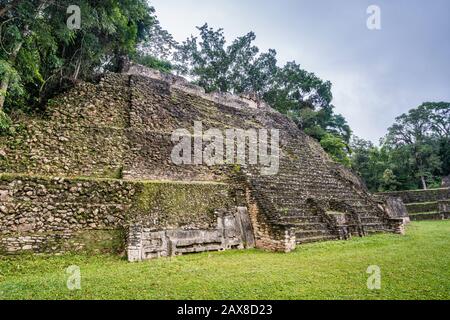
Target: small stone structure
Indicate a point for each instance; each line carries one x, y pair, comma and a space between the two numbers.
429, 204
109, 143
233, 231
446, 182
394, 206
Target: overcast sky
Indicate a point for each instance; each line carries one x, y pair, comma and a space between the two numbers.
376, 74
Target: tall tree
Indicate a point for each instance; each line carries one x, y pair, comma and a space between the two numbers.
39, 53
241, 68
215, 66
28, 13
419, 132
415, 152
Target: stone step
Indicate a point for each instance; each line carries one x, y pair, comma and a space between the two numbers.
296, 212
424, 207
373, 232
292, 186
310, 226
375, 228
316, 239
372, 224
368, 220
311, 233
302, 219
292, 180
422, 213
287, 192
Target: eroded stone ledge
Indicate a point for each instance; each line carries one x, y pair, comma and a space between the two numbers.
42, 214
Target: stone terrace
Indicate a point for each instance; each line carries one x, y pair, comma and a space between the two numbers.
433, 204
120, 129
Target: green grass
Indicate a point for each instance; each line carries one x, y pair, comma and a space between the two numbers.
415, 266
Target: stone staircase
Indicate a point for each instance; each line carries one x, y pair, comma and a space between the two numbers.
286, 196
432, 204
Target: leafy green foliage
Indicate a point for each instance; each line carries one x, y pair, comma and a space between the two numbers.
335, 147
40, 55
154, 63
414, 154
5, 122
240, 68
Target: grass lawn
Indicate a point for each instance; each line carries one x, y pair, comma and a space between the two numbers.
415, 266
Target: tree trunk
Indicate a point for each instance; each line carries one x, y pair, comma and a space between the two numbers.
12, 59
5, 81
3, 89
77, 69
424, 183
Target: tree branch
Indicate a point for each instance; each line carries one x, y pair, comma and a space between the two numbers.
8, 7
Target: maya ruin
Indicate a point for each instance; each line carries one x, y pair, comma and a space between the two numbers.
95, 174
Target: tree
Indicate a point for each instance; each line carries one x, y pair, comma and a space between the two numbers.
389, 181
336, 148
215, 66
439, 115
40, 55
240, 68
154, 63
159, 44
8, 5
28, 13
370, 162
415, 152
420, 133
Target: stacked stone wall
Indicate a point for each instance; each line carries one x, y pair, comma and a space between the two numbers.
58, 214
418, 196
120, 129
425, 204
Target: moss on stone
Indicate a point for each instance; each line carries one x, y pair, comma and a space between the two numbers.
181, 198
146, 197
102, 241
81, 203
